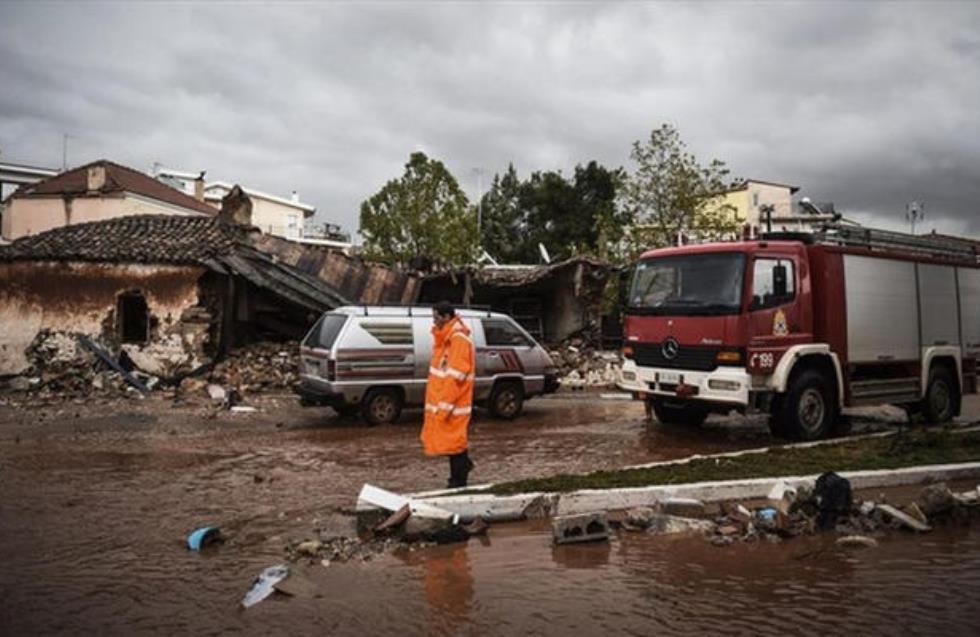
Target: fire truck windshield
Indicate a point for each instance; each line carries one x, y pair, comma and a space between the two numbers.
691, 284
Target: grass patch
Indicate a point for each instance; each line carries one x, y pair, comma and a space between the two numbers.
907, 449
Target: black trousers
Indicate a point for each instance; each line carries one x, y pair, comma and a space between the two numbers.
459, 469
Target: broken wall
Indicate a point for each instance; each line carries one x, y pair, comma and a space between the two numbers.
82, 298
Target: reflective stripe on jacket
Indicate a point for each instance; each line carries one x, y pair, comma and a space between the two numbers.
449, 390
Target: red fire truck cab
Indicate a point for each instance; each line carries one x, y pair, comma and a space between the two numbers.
802, 325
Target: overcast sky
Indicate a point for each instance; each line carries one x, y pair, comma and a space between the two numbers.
867, 105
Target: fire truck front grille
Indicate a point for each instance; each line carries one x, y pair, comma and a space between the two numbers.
694, 357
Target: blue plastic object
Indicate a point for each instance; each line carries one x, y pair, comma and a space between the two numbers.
767, 515
201, 537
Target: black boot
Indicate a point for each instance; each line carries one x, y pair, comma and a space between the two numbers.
460, 466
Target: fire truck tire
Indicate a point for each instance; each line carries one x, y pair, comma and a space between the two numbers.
506, 400
381, 406
807, 411
942, 396
679, 414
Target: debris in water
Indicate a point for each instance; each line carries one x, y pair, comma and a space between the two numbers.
904, 518
857, 541
204, 536
264, 584
586, 527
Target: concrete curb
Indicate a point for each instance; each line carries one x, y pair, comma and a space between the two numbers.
513, 507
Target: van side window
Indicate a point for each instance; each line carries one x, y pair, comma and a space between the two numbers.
325, 332
389, 333
500, 332
773, 283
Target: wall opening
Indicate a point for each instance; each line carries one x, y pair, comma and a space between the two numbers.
134, 318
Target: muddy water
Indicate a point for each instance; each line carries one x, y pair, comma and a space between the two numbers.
95, 501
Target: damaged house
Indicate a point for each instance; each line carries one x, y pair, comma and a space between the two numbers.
174, 292
552, 302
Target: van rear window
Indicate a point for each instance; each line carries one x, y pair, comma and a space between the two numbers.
324, 333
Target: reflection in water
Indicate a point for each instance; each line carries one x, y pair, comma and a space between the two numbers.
448, 583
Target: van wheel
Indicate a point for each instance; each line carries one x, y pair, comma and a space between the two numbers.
807, 411
506, 401
692, 415
381, 406
942, 396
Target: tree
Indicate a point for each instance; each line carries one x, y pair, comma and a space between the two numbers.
567, 216
670, 193
424, 214
502, 230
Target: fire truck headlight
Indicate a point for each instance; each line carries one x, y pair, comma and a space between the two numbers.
724, 385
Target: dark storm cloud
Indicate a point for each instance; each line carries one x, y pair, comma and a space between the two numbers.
869, 105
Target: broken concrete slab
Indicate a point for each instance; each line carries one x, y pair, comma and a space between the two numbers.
665, 524
373, 496
904, 518
394, 520
586, 527
684, 507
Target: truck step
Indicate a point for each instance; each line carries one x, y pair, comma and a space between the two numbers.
890, 390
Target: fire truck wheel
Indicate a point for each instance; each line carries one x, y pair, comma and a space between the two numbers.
942, 394
507, 400
381, 406
807, 411
679, 414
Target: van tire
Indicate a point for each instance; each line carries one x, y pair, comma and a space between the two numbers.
506, 400
381, 406
808, 410
942, 397
690, 415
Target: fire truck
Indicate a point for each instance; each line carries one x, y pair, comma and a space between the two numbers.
802, 325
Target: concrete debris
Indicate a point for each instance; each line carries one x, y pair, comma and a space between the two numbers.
782, 496
935, 499
903, 518
856, 541
674, 524
586, 527
581, 364
639, 518
539, 508
259, 367
217, 393
914, 510
265, 584
684, 507
309, 548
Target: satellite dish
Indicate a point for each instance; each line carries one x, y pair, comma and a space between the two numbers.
544, 253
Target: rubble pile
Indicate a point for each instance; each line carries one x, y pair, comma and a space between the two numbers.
793, 512
61, 369
259, 367
581, 364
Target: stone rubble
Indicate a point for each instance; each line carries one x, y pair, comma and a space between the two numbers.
581, 364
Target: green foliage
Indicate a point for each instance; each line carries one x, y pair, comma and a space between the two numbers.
423, 214
569, 216
670, 193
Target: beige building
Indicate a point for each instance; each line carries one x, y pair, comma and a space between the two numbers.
748, 202
271, 214
94, 192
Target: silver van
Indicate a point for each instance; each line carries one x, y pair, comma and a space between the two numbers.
374, 360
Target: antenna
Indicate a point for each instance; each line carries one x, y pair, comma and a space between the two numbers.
914, 211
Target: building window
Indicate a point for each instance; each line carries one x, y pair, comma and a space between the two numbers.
755, 200
133, 318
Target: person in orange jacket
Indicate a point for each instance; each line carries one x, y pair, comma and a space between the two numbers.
449, 393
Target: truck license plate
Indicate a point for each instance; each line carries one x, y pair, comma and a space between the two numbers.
669, 378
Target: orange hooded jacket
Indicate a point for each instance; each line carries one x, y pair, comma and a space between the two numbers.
449, 391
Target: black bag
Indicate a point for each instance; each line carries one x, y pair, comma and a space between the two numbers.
833, 497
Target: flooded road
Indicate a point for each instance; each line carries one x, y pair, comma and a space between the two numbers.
96, 500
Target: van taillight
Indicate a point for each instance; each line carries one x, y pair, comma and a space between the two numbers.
331, 370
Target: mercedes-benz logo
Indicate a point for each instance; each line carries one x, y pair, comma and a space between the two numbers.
670, 348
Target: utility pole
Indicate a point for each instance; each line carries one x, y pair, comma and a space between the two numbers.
64, 152
479, 205
914, 211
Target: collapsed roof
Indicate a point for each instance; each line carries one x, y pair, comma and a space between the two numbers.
209, 242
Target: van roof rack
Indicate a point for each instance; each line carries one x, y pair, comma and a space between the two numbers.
408, 307
875, 239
